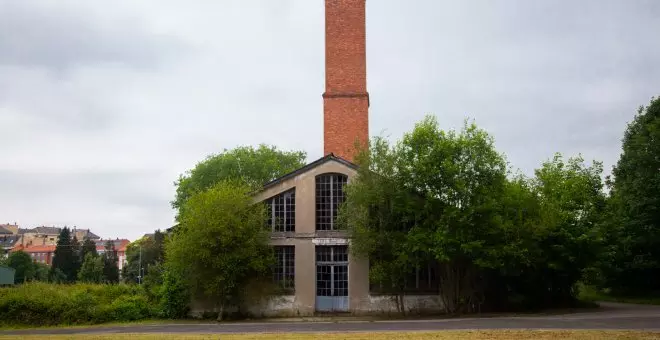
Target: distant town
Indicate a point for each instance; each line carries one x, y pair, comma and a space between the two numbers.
40, 242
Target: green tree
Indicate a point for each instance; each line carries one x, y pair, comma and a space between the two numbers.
572, 202
110, 259
143, 253
494, 239
633, 231
221, 245
65, 258
76, 249
254, 166
23, 264
88, 247
430, 199
92, 269
41, 272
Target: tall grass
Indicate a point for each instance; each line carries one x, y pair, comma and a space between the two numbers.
43, 304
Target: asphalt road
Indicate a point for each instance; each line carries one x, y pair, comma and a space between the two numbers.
611, 317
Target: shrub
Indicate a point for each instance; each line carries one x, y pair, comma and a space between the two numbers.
41, 304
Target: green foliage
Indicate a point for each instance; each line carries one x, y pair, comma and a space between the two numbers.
41, 272
40, 304
446, 200
66, 258
175, 296
92, 269
632, 262
23, 264
148, 250
220, 245
253, 166
88, 247
110, 268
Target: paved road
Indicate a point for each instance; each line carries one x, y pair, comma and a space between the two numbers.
612, 316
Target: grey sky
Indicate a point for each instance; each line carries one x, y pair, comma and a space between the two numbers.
103, 105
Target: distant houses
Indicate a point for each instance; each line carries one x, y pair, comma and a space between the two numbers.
40, 242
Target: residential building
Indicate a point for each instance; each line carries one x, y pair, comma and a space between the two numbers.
120, 248
7, 243
41, 254
46, 236
8, 228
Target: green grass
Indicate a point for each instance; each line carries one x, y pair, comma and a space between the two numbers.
592, 294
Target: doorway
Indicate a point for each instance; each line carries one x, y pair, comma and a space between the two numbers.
332, 278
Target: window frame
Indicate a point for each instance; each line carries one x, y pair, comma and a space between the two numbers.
284, 271
327, 207
288, 204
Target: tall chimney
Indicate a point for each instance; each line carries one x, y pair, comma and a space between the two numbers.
345, 101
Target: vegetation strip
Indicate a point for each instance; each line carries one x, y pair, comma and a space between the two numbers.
446, 335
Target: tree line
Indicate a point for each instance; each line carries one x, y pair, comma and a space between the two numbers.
73, 261
443, 203
446, 203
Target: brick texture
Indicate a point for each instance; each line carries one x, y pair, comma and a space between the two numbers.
346, 100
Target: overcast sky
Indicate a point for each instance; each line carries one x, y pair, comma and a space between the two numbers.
103, 104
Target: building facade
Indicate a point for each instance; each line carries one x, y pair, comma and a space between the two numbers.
314, 263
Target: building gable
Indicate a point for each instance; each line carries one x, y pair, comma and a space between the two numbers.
303, 179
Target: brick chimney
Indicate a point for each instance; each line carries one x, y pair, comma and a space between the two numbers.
345, 101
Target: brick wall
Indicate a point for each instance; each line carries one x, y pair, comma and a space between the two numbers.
346, 101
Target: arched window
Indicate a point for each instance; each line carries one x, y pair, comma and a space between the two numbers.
329, 196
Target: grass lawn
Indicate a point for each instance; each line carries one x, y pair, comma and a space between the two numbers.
447, 335
590, 294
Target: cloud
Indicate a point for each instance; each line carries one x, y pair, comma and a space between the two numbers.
64, 36
103, 106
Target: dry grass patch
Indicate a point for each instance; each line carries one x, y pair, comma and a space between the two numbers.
444, 335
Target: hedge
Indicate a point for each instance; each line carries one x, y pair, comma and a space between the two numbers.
43, 304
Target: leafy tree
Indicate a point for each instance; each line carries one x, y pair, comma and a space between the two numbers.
88, 247
633, 231
253, 166
41, 272
432, 199
76, 249
23, 265
143, 253
65, 256
92, 269
220, 246
446, 200
175, 296
57, 276
572, 202
110, 259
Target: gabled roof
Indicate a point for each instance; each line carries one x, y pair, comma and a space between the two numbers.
322, 160
9, 241
4, 231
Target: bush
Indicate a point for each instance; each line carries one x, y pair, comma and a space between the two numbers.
41, 304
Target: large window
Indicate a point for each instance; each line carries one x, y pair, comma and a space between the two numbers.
282, 212
284, 273
329, 197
